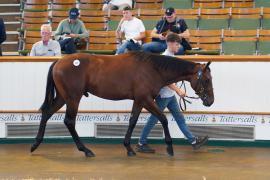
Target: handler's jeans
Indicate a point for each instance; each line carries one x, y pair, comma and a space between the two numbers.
172, 105
159, 47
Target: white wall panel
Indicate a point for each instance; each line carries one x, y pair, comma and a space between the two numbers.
239, 86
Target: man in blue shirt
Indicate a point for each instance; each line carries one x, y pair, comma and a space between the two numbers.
166, 98
169, 23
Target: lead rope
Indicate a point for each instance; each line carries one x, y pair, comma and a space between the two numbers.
183, 100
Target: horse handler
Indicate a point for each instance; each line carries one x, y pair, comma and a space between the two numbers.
166, 98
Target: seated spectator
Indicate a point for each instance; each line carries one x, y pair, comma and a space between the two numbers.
47, 46
70, 32
116, 4
3, 35
132, 29
169, 23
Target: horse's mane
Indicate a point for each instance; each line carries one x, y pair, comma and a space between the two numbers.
164, 62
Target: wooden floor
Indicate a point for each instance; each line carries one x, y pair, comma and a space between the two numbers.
63, 161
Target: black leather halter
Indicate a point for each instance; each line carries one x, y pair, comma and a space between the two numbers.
200, 92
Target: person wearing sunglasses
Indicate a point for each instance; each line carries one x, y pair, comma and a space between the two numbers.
169, 23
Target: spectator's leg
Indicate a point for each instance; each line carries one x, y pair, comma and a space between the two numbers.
122, 48
0, 50
70, 46
181, 51
154, 47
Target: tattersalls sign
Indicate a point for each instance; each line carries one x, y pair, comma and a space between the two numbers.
124, 117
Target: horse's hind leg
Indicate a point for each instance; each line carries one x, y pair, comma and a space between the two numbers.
70, 118
136, 110
58, 102
153, 108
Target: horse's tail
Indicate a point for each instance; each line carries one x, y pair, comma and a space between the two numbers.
50, 90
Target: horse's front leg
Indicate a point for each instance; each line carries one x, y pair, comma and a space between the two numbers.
136, 110
152, 107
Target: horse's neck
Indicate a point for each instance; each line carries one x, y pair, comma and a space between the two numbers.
176, 76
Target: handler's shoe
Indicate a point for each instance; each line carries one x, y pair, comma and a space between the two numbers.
144, 148
200, 141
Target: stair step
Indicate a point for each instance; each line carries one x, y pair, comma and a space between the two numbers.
12, 37
12, 27
9, 9
13, 17
11, 53
10, 1
9, 47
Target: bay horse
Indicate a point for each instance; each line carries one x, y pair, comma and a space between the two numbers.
138, 76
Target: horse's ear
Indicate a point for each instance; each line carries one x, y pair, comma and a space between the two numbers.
207, 65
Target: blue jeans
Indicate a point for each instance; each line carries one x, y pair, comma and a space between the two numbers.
128, 46
159, 47
172, 105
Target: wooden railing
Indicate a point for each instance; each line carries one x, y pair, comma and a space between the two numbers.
199, 58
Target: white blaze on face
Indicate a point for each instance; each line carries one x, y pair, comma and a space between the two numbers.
76, 62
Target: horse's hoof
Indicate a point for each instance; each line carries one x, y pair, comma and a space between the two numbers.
89, 154
170, 151
33, 148
131, 153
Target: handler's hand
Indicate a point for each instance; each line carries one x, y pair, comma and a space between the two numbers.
181, 93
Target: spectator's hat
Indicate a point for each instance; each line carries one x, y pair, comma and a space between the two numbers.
73, 13
169, 11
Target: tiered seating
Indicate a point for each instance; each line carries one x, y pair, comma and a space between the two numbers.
35, 14
239, 3
265, 22
178, 4
150, 17
148, 4
190, 15
32, 5
241, 42
63, 5
102, 42
209, 40
30, 37
93, 20
57, 16
245, 18
262, 3
205, 19
264, 42
214, 18
33, 20
208, 3
91, 4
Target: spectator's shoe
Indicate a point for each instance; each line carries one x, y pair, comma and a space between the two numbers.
200, 141
144, 148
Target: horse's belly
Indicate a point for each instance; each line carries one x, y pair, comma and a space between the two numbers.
111, 93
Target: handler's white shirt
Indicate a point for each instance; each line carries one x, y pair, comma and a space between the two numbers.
166, 92
132, 28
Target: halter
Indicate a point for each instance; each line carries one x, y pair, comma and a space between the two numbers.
200, 93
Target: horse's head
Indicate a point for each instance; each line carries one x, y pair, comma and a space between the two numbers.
201, 82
